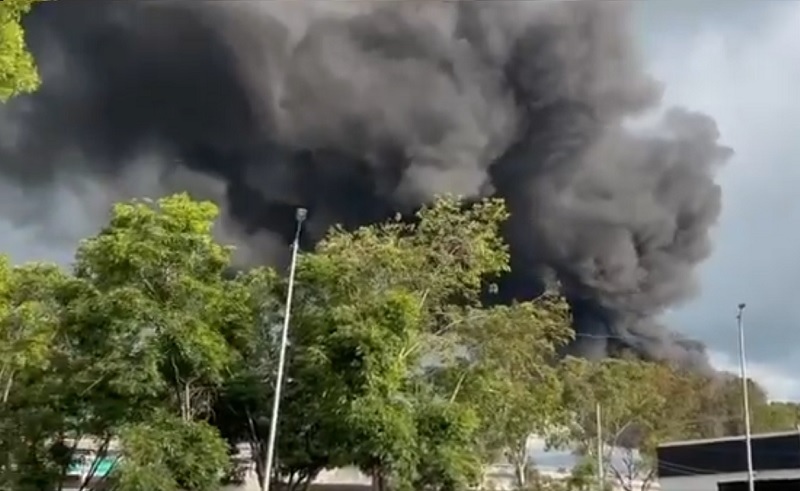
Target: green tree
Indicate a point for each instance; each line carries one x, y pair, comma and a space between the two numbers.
389, 291
508, 373
243, 409
29, 320
633, 399
371, 305
395, 366
447, 434
168, 453
154, 320
151, 321
719, 406
777, 416
160, 293
34, 375
18, 72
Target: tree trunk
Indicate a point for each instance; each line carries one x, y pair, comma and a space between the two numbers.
518, 457
378, 479
186, 402
7, 388
307, 484
519, 471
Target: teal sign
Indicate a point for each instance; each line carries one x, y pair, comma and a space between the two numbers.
103, 466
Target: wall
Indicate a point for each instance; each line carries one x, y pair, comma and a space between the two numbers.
346, 479
710, 482
729, 455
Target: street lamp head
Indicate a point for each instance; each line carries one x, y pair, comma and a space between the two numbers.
301, 214
742, 306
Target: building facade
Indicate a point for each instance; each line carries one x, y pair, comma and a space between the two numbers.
721, 464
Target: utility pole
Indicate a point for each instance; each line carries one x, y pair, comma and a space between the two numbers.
601, 478
300, 216
746, 400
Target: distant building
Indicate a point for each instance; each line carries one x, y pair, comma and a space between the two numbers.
721, 464
554, 465
88, 467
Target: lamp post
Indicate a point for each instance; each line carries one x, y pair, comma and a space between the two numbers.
746, 400
300, 217
601, 476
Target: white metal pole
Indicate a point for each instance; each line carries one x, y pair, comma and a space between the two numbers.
746, 400
601, 478
276, 401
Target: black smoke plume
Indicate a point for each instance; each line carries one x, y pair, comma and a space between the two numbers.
360, 109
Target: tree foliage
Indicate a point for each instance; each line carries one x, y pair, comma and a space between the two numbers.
396, 366
638, 411
158, 352
510, 376
168, 453
18, 72
157, 286
149, 321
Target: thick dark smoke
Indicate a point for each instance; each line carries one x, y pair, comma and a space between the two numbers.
359, 109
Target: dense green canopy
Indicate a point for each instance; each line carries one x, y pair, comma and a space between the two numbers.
149, 347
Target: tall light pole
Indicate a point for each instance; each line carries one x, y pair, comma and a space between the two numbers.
746, 400
300, 217
601, 475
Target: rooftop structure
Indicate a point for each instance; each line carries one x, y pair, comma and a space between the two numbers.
720, 464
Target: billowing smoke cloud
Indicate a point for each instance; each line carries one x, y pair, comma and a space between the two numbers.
360, 109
